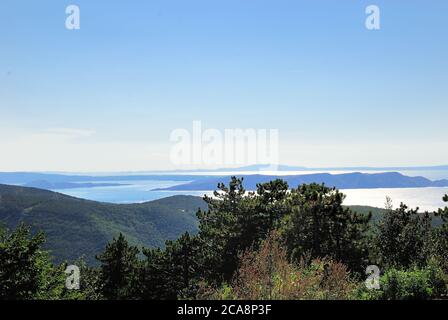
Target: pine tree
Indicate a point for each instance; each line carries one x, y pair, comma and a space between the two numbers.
155, 276
403, 236
237, 220
173, 272
20, 256
26, 270
184, 255
219, 229
319, 226
440, 238
120, 270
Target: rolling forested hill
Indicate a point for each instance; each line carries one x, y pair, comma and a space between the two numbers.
76, 227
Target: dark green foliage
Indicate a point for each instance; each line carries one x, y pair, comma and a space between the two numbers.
173, 272
26, 271
414, 284
319, 226
170, 273
411, 284
119, 270
440, 239
219, 229
20, 263
237, 220
154, 276
443, 213
310, 221
91, 284
403, 238
184, 255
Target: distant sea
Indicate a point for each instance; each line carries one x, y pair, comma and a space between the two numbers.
140, 191
425, 198
130, 192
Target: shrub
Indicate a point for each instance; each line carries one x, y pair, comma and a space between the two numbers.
412, 284
267, 274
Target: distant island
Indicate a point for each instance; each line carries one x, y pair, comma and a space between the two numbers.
251, 174
281, 167
354, 180
43, 184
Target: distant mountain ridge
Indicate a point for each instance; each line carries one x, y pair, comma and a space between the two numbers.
44, 184
29, 177
354, 180
182, 175
280, 167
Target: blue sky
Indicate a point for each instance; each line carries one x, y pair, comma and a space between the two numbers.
107, 96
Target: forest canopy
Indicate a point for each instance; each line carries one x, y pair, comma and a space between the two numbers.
273, 243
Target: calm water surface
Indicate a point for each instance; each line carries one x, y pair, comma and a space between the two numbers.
140, 191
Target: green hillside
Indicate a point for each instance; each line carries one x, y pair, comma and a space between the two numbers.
76, 227
377, 213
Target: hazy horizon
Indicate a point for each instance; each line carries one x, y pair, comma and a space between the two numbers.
226, 170
107, 97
